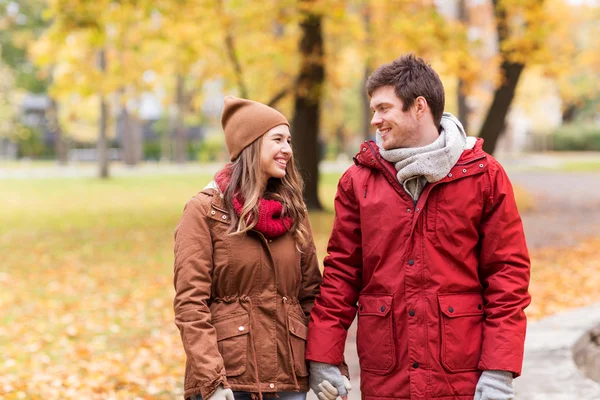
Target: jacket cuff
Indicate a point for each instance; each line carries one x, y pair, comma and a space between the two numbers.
344, 369
208, 389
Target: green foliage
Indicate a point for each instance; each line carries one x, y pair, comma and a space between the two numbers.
21, 23
211, 149
29, 141
577, 137
152, 150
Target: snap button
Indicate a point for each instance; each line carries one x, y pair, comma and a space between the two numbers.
451, 309
372, 161
408, 210
415, 365
213, 212
450, 175
270, 240
241, 328
382, 308
411, 262
480, 165
364, 149
224, 217
411, 313
271, 386
464, 171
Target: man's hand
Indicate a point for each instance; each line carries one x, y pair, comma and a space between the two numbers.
495, 385
327, 381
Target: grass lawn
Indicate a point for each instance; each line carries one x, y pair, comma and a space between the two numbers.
86, 285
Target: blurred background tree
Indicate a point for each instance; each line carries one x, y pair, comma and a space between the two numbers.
167, 64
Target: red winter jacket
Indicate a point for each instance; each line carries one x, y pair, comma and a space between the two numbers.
440, 286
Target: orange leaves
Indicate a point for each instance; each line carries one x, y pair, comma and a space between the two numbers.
564, 278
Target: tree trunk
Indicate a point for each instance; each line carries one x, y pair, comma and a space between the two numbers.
102, 146
569, 113
366, 107
366, 104
493, 125
463, 108
308, 93
178, 127
130, 134
60, 144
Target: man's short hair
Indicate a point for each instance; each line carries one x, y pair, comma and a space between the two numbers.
411, 78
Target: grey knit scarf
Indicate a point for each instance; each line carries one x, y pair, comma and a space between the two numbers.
419, 165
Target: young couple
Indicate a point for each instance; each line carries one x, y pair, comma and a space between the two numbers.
427, 248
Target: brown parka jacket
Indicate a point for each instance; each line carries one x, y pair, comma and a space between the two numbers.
241, 303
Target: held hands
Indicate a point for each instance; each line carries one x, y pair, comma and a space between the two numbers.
495, 385
221, 394
327, 381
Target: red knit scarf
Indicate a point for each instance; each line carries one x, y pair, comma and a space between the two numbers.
270, 223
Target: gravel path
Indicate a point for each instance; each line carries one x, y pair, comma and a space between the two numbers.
567, 207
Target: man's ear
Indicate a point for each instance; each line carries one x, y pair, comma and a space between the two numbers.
421, 107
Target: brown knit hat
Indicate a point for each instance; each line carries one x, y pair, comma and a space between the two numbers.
244, 121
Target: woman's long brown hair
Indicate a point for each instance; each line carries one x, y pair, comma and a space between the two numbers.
247, 182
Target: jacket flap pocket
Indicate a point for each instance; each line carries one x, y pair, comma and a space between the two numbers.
297, 328
461, 304
375, 304
235, 326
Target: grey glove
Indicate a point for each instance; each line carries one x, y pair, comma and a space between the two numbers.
495, 385
219, 394
327, 381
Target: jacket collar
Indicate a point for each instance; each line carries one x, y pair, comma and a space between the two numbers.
369, 157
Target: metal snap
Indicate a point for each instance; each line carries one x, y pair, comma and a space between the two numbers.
408, 210
271, 386
382, 308
450, 175
451, 309
213, 212
241, 328
224, 216
364, 149
464, 171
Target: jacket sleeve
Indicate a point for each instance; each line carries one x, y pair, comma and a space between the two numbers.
311, 275
335, 308
192, 270
504, 274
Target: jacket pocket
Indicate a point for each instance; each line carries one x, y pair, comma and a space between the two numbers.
375, 334
232, 339
462, 330
298, 333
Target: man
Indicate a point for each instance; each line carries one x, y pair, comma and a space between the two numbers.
428, 247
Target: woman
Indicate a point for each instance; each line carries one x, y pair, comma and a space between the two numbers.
246, 271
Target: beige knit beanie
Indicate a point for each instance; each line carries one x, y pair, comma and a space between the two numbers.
244, 121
